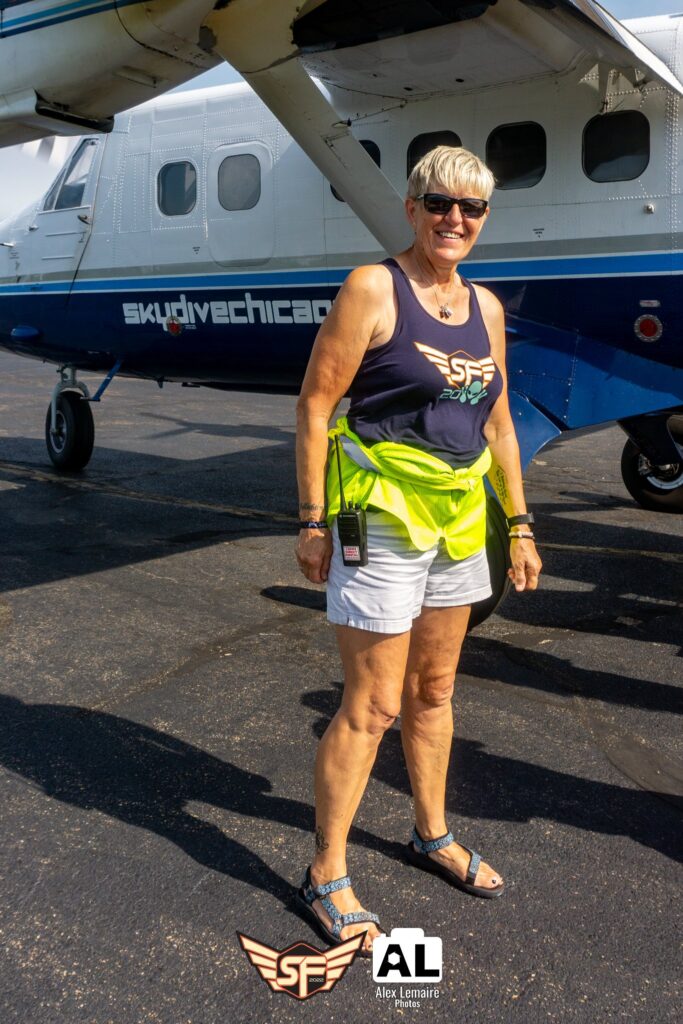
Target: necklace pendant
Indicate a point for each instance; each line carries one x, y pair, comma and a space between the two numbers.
445, 312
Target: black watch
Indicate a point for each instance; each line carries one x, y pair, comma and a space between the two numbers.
521, 520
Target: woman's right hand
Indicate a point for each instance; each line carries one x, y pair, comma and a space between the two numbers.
313, 553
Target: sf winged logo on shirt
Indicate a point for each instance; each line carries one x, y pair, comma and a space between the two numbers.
467, 376
301, 970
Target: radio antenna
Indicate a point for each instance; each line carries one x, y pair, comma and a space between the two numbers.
341, 485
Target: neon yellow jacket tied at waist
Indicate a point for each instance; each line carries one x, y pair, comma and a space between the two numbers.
428, 496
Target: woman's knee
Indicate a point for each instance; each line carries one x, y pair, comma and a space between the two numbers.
373, 714
433, 688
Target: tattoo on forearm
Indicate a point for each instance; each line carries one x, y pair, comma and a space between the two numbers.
500, 484
320, 841
309, 506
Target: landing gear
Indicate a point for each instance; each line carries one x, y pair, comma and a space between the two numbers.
654, 483
498, 555
69, 425
70, 442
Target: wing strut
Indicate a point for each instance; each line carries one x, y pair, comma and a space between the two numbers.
267, 59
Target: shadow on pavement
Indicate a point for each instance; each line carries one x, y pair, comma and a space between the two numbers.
54, 529
143, 777
182, 426
486, 658
487, 786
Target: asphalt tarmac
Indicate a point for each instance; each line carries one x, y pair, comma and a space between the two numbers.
166, 674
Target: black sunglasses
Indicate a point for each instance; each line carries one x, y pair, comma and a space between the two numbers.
434, 202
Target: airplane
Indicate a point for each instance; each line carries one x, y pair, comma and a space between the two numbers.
201, 237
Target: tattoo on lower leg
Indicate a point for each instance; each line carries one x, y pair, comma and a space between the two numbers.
320, 841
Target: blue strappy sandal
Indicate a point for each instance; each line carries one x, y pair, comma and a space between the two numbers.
308, 894
420, 859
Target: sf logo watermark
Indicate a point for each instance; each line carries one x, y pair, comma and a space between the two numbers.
301, 970
407, 956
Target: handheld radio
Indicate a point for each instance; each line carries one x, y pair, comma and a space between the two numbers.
351, 526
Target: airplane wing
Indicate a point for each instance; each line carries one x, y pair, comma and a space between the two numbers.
409, 49
310, 61
67, 67
389, 52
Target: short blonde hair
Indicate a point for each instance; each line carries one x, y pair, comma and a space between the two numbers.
453, 168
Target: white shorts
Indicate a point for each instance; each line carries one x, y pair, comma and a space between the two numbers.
385, 595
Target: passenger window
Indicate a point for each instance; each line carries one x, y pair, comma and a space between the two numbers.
177, 188
239, 182
67, 192
373, 149
422, 144
616, 147
516, 154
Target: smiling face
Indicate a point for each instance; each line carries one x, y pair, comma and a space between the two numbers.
444, 239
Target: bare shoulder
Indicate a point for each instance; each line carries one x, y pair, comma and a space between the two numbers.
364, 303
371, 281
490, 305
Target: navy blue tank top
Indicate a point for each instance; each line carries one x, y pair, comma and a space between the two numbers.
432, 385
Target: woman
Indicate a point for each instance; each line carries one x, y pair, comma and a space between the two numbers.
421, 352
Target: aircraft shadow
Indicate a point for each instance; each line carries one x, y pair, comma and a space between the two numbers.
144, 777
488, 786
558, 525
646, 619
183, 426
620, 593
56, 528
486, 658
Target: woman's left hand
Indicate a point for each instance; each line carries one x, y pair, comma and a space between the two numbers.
526, 564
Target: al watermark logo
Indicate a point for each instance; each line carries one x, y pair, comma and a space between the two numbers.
301, 970
408, 965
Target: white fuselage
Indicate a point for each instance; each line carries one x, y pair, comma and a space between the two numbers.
233, 295
298, 222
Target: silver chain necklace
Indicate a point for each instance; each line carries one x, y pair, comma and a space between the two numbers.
445, 311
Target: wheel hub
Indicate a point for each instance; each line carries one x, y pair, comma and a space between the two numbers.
58, 435
666, 478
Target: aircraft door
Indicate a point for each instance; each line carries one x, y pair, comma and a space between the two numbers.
239, 204
61, 228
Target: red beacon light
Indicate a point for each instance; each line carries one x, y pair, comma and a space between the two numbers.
648, 327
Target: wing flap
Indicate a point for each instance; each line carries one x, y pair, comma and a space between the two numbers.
395, 47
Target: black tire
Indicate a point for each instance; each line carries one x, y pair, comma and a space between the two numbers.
660, 490
498, 554
71, 447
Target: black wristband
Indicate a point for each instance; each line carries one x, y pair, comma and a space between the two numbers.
311, 524
521, 520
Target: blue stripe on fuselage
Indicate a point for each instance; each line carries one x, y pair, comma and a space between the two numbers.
268, 279
581, 266
55, 15
562, 267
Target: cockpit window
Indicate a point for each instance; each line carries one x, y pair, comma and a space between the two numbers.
69, 188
